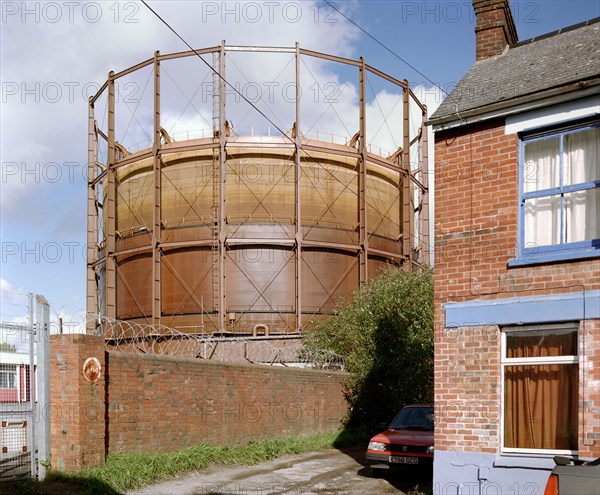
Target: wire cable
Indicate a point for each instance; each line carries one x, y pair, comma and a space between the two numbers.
190, 100
384, 46
135, 110
219, 75
215, 71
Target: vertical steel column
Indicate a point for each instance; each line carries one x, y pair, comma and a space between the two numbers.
111, 268
425, 241
362, 180
216, 191
407, 200
156, 213
298, 177
223, 173
92, 225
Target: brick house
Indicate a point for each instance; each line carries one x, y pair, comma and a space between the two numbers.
15, 377
517, 264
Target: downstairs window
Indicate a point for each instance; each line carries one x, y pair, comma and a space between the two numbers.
540, 373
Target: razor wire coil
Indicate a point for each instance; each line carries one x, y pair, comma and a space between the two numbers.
159, 339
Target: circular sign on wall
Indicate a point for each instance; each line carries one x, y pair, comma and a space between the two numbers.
92, 369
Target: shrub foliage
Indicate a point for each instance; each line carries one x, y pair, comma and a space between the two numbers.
386, 337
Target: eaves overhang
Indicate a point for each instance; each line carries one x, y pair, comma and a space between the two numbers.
524, 103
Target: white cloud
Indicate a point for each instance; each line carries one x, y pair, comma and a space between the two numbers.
15, 320
55, 56
13, 302
14, 315
68, 320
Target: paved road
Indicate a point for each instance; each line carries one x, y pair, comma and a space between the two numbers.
316, 473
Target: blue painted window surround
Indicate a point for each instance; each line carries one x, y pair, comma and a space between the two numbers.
559, 194
528, 310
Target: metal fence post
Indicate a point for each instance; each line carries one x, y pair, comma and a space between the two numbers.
42, 330
30, 391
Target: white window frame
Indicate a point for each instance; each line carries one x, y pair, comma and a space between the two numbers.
504, 362
9, 369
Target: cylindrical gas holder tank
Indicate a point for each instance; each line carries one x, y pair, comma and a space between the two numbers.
246, 235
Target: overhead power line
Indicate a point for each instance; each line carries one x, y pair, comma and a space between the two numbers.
213, 69
384, 46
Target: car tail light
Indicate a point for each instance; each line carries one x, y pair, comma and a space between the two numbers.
552, 485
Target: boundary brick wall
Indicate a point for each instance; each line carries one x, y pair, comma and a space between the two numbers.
162, 404
77, 409
152, 403
476, 234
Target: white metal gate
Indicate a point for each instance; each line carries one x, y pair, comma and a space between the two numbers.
24, 394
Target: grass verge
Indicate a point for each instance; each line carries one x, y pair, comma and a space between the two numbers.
124, 472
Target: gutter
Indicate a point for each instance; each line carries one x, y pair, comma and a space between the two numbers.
522, 104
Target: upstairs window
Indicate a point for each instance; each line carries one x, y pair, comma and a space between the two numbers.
560, 194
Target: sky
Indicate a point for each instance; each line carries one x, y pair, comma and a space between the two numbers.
54, 55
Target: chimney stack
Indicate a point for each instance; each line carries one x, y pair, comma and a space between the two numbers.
494, 28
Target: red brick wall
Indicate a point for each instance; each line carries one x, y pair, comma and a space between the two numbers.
467, 389
476, 228
495, 28
77, 427
476, 223
162, 403
589, 389
159, 403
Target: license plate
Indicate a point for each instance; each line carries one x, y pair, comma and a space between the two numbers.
403, 460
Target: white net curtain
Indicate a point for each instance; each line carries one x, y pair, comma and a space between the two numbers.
561, 216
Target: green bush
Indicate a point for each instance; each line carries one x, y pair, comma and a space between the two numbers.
386, 337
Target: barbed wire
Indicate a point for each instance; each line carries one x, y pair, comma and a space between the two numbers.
134, 337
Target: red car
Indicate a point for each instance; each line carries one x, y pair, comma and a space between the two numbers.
408, 440
573, 476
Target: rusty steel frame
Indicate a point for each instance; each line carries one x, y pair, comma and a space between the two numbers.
363, 238
297, 191
104, 254
110, 247
222, 174
407, 208
156, 211
425, 241
92, 221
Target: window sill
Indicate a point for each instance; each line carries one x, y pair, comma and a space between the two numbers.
525, 461
541, 257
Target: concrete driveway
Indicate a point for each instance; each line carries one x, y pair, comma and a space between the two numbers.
324, 472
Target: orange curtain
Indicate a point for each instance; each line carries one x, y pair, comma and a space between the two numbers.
540, 401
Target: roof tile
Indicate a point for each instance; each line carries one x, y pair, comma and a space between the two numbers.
528, 67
